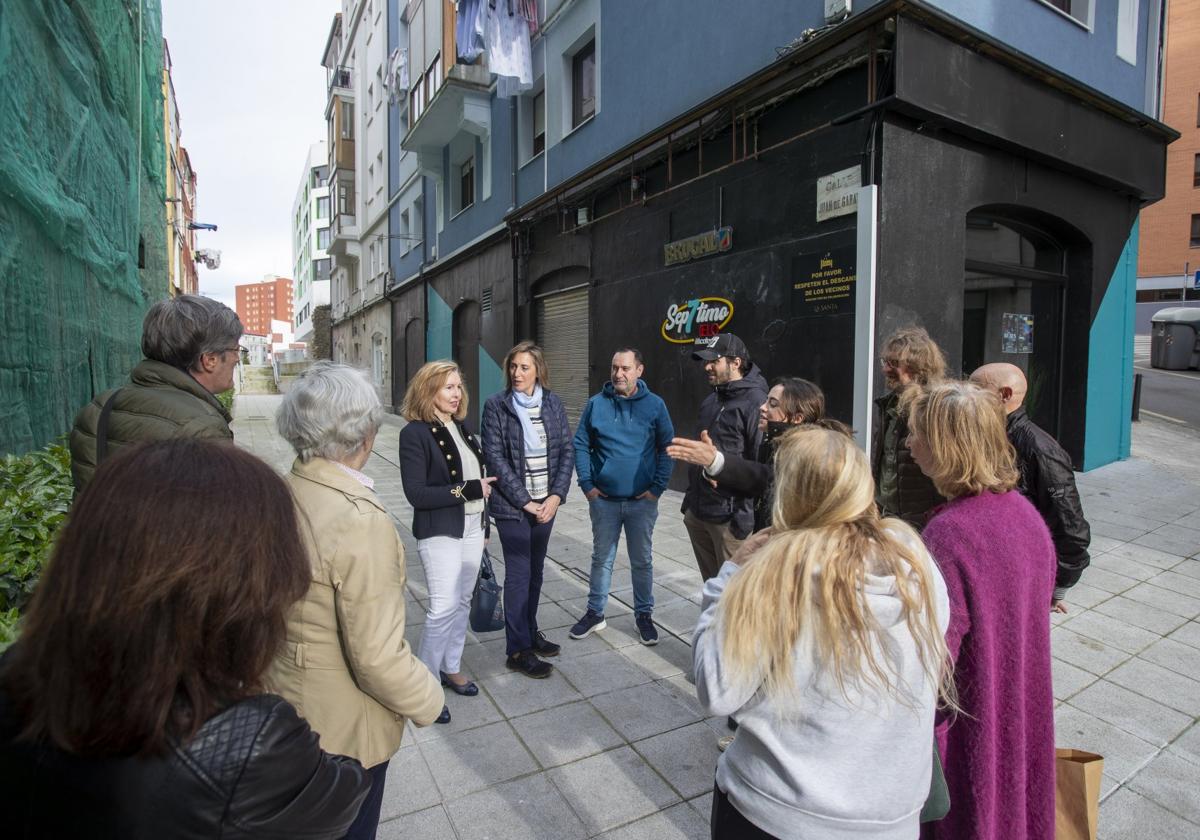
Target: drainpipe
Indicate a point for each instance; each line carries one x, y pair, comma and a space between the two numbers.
513, 236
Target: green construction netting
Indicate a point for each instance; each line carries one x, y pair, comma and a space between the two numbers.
82, 184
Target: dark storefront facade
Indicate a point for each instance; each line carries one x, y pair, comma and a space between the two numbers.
1004, 198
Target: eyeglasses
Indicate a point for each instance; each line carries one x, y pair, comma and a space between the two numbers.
238, 349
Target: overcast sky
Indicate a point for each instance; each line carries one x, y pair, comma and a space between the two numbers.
251, 95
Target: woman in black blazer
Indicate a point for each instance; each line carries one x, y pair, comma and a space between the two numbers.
446, 482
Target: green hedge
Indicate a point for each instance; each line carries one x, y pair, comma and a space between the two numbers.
35, 494
226, 398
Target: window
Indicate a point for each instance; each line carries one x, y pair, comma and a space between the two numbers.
466, 184
1195, 230
539, 123
1080, 10
323, 207
347, 120
1196, 173
405, 242
583, 84
1127, 30
416, 104
433, 77
322, 238
345, 192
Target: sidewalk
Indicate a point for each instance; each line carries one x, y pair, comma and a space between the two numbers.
614, 745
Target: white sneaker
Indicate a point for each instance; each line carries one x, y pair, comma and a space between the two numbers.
724, 741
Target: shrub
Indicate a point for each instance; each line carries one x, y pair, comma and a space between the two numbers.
35, 494
226, 398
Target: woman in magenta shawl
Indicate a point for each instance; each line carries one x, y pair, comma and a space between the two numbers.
996, 556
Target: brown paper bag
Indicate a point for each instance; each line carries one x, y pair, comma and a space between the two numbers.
1076, 794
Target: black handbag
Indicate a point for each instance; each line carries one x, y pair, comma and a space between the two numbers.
487, 602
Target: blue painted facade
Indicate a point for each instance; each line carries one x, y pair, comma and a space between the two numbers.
656, 61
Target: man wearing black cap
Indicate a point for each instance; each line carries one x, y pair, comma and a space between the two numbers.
716, 520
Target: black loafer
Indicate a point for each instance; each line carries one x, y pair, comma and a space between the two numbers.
543, 646
529, 665
444, 717
468, 689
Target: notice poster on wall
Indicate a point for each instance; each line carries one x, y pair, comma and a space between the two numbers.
1016, 333
824, 283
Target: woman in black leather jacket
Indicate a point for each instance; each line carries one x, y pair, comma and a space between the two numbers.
131, 704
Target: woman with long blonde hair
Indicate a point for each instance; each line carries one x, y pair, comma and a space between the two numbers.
823, 637
998, 561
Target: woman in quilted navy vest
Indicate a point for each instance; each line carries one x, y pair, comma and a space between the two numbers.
527, 443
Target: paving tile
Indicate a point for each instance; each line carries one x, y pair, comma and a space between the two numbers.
464, 762
430, 824
1176, 656
1085, 596
679, 617
551, 616
703, 805
1068, 679
1183, 584
465, 713
644, 710
679, 822
1106, 580
529, 809
682, 690
1140, 615
1100, 544
1117, 517
1111, 631
1172, 783
563, 590
599, 672
485, 659
1136, 714
409, 785
686, 758
1187, 745
1189, 568
1147, 555
578, 606
1128, 814
1123, 566
665, 659
1123, 753
1189, 634
1173, 545
612, 788
1085, 653
622, 631
1165, 599
516, 694
1158, 683
597, 642
1117, 532
566, 733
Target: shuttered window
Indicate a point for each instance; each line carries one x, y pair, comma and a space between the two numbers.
562, 328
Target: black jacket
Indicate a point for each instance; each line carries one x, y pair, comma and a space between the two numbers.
1048, 481
756, 478
431, 471
504, 448
253, 770
730, 416
915, 494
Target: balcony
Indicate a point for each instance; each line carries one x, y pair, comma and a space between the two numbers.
462, 103
343, 242
341, 79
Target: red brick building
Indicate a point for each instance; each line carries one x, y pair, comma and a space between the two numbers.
260, 303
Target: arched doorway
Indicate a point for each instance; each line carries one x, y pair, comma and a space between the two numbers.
414, 349
465, 339
1013, 307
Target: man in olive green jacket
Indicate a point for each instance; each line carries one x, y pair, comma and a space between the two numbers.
191, 349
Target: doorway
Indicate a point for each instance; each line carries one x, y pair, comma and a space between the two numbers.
465, 339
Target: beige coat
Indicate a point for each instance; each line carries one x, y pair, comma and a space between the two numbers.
347, 667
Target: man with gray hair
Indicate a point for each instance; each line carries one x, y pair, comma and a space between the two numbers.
191, 349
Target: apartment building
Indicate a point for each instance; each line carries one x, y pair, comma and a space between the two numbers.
261, 305
182, 276
310, 241
812, 174
356, 60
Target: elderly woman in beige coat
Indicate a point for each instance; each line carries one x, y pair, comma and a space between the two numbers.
347, 667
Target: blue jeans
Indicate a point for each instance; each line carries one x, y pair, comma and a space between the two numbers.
638, 517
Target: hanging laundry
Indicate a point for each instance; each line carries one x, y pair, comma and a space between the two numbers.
529, 11
469, 29
395, 80
509, 56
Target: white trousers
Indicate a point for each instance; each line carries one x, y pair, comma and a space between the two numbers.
451, 566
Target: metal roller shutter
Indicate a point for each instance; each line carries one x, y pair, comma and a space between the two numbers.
562, 328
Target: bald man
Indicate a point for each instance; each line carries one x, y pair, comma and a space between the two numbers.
1047, 477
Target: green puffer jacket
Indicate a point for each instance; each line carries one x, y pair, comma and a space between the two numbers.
160, 402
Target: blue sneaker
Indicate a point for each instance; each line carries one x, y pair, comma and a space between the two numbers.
591, 622
646, 629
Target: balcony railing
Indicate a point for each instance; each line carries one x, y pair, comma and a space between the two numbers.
341, 76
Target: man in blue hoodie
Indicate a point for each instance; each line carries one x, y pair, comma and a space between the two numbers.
623, 467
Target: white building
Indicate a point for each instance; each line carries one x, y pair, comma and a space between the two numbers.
310, 239
356, 114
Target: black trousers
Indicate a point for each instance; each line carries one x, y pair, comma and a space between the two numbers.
525, 542
367, 822
727, 823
